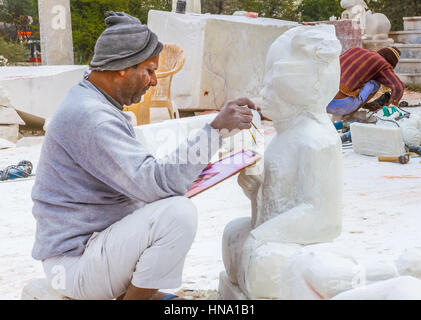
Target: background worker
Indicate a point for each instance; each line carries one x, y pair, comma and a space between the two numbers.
112, 220
362, 73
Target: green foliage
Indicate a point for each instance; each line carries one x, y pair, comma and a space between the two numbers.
278, 9
319, 10
13, 51
14, 13
88, 24
88, 20
396, 10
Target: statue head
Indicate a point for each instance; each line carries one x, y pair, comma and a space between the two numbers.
302, 72
348, 4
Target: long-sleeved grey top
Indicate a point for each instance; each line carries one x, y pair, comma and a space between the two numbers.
93, 172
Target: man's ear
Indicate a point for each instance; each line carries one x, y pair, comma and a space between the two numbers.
122, 73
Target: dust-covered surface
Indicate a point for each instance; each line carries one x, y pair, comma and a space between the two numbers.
381, 212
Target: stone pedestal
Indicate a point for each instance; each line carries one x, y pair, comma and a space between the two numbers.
56, 32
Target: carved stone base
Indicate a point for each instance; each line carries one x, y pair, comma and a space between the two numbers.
377, 44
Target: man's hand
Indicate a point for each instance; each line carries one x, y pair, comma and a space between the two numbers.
235, 114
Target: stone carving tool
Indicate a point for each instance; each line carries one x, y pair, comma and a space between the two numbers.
257, 129
403, 159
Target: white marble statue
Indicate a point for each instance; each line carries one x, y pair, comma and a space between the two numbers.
297, 200
374, 26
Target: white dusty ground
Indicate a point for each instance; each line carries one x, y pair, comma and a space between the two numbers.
382, 217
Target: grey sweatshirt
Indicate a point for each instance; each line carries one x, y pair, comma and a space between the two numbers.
93, 172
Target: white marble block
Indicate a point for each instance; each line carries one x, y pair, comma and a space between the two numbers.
40, 289
377, 140
9, 132
164, 137
225, 55
401, 288
38, 90
297, 200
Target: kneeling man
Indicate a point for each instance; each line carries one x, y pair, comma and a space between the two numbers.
362, 73
112, 220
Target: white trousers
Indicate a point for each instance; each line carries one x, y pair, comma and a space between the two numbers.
146, 248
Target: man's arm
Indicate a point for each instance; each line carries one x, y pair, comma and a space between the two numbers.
120, 161
388, 78
113, 156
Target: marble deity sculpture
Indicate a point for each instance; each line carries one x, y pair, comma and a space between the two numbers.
297, 200
374, 26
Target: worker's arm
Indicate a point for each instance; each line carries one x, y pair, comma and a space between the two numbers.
116, 158
388, 78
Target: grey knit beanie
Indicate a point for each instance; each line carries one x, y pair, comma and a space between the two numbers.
124, 43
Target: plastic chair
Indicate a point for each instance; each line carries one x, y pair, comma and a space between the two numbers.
171, 60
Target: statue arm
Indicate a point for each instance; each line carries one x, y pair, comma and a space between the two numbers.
250, 183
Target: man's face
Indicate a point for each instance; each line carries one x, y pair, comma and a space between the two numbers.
136, 81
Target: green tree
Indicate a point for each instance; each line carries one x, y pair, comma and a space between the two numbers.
319, 10
15, 17
13, 51
140, 8
277, 9
88, 23
88, 20
396, 10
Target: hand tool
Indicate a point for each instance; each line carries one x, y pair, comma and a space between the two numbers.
403, 159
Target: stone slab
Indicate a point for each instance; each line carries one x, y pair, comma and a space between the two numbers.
5, 144
10, 116
410, 78
409, 51
376, 140
225, 55
401, 288
408, 66
40, 289
9, 132
38, 90
164, 137
412, 36
412, 23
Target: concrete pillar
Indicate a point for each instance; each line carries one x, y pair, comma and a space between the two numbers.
192, 6
56, 32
